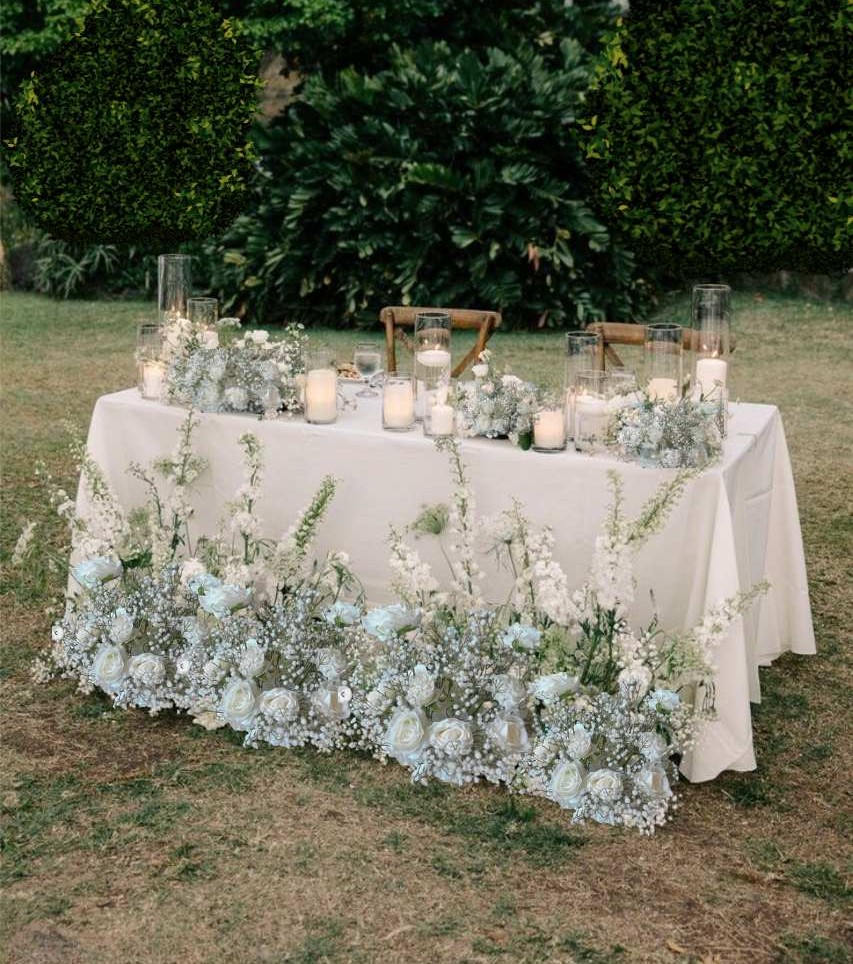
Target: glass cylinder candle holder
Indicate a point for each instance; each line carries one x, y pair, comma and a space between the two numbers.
432, 355
583, 353
549, 428
174, 286
664, 350
321, 388
439, 413
398, 402
592, 414
712, 334
150, 369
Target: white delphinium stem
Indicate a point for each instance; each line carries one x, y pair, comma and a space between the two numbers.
465, 572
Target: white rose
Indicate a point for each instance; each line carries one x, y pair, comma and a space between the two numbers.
202, 581
121, 627
525, 636
451, 736
567, 784
190, 568
653, 782
605, 784
258, 337
664, 700
578, 743
421, 686
109, 667
480, 371
652, 746
634, 682
406, 735
332, 701
509, 733
279, 704
220, 601
342, 614
239, 703
332, 663
147, 669
93, 572
385, 623
252, 659
548, 689
509, 691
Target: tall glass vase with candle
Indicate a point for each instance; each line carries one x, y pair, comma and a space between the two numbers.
321, 387
583, 354
712, 332
592, 392
432, 356
664, 350
174, 286
398, 402
150, 369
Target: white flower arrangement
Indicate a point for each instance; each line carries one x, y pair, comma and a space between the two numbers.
222, 371
496, 405
550, 692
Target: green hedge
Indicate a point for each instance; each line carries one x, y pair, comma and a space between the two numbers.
137, 130
449, 178
718, 137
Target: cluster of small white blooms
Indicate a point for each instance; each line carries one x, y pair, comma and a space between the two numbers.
495, 405
413, 580
612, 574
466, 573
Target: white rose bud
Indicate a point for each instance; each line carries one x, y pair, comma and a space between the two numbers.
578, 743
252, 659
605, 784
406, 736
421, 688
280, 705
548, 689
567, 784
109, 667
121, 627
451, 736
148, 669
239, 703
92, 572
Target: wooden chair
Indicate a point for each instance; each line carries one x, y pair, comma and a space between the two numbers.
626, 333
397, 319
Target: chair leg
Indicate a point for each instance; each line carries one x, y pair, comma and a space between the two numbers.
390, 345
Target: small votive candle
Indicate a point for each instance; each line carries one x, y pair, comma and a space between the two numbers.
398, 402
711, 375
433, 358
153, 377
321, 396
663, 389
549, 430
440, 420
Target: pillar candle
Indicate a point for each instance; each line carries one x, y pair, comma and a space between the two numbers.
152, 380
398, 406
321, 396
549, 429
441, 420
433, 358
711, 374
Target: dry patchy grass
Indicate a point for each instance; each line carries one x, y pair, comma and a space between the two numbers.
139, 839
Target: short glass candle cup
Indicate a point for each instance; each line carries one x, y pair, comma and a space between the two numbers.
398, 402
203, 312
150, 369
592, 412
321, 388
549, 428
664, 349
439, 413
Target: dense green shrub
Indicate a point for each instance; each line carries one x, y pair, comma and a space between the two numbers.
449, 178
717, 134
137, 128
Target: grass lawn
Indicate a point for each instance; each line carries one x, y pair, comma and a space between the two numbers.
128, 838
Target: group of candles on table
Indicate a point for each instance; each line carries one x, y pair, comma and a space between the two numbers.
580, 414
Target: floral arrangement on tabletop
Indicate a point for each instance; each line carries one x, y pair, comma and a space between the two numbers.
234, 629
496, 405
225, 370
671, 433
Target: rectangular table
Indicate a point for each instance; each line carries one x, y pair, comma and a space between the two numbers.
736, 524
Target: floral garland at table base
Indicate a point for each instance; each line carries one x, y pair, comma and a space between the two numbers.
550, 693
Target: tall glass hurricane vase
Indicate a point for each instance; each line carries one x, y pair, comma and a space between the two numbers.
664, 349
583, 354
712, 328
432, 357
174, 286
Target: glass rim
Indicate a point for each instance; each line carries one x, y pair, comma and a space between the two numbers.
712, 287
664, 326
202, 301
372, 345
584, 335
400, 376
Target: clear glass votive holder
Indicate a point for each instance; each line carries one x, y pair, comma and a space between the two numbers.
549, 429
150, 369
584, 352
321, 387
432, 366
203, 312
592, 414
664, 350
174, 286
712, 334
398, 402
439, 412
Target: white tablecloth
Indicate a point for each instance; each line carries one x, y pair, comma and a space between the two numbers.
736, 524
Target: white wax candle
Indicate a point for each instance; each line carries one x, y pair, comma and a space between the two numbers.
209, 338
590, 415
152, 380
398, 406
711, 374
433, 358
663, 388
321, 395
441, 420
549, 430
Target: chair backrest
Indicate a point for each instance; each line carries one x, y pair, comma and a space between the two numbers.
628, 333
397, 319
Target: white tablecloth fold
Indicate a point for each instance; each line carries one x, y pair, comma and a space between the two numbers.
736, 524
